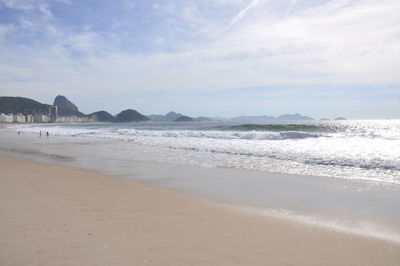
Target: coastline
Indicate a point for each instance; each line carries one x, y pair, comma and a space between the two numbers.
56, 215
347, 205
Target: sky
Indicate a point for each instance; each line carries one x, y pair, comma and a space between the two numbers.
206, 57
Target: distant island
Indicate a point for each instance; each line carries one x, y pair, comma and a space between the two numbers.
25, 110
184, 119
285, 117
177, 117
169, 117
337, 118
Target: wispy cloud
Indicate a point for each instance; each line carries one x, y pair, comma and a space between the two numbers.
334, 42
292, 4
244, 11
19, 4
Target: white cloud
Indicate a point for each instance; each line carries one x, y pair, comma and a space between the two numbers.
44, 9
243, 12
31, 5
341, 42
83, 42
19, 4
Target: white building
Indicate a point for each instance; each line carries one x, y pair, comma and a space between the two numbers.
39, 118
67, 119
75, 119
19, 118
6, 118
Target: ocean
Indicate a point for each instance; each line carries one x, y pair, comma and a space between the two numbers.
340, 174
367, 150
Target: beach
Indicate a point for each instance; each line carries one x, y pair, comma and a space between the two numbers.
56, 215
241, 132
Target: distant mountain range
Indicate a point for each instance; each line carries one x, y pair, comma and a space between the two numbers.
26, 106
169, 117
184, 118
13, 105
177, 117
337, 118
285, 117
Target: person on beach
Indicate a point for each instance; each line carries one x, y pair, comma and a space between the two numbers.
47, 133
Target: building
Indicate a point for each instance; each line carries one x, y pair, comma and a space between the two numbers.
6, 118
76, 119
18, 118
39, 118
53, 113
28, 119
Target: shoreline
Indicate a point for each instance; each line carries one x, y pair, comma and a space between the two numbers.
56, 215
344, 205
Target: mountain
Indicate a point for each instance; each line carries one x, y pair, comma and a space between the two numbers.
340, 118
103, 116
66, 107
203, 119
169, 117
130, 115
13, 105
28, 106
270, 118
62, 101
244, 118
295, 116
184, 118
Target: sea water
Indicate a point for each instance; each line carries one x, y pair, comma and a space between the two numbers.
342, 173
366, 150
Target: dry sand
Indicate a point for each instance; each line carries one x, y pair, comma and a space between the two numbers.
52, 215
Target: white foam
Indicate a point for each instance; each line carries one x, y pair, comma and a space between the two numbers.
360, 228
348, 154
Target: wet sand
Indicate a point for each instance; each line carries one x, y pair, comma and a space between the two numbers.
53, 215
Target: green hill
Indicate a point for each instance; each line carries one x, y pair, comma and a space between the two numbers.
130, 115
184, 118
13, 105
103, 116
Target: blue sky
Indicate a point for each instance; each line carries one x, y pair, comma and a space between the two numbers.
211, 57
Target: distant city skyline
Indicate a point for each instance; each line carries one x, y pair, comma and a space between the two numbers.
206, 58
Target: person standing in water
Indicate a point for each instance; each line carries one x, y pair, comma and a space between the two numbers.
47, 133
40, 133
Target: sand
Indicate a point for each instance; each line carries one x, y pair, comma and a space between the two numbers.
52, 215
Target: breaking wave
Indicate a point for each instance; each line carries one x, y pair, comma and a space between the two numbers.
369, 148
